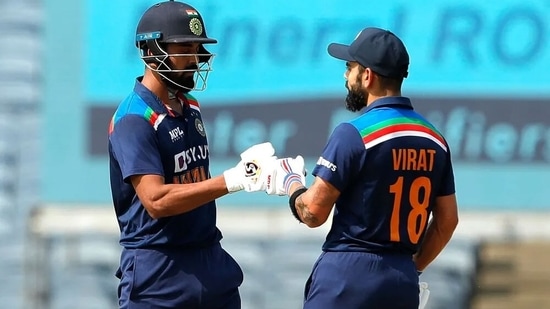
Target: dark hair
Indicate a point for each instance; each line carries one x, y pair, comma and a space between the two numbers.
390, 83
360, 70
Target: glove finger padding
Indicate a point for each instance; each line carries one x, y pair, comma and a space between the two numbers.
262, 150
285, 172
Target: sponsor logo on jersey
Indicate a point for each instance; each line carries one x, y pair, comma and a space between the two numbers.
188, 156
324, 162
176, 134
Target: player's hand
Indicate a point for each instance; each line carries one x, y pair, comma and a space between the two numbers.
247, 174
284, 173
257, 173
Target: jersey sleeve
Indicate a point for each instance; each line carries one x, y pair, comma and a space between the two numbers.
135, 147
448, 179
341, 160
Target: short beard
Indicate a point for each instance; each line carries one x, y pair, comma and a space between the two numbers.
356, 98
172, 79
178, 80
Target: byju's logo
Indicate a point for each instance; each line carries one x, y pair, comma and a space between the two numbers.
180, 162
176, 134
189, 156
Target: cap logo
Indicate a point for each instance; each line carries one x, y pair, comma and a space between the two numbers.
192, 13
195, 26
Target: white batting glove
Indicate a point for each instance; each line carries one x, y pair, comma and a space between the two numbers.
257, 173
246, 174
284, 173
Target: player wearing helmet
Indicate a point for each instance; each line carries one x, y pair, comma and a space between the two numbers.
167, 34
162, 190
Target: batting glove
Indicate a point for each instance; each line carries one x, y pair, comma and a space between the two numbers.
246, 175
284, 174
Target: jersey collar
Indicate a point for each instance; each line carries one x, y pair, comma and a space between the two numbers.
149, 97
399, 102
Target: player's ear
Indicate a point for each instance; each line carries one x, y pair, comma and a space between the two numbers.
367, 77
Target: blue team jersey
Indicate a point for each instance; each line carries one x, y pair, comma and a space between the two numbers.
145, 137
389, 165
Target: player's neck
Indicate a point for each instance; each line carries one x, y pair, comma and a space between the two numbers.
154, 83
382, 94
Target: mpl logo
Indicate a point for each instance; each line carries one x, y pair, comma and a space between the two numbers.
176, 134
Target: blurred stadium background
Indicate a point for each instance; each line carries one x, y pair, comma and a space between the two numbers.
479, 70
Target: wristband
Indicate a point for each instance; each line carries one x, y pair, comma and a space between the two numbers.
292, 202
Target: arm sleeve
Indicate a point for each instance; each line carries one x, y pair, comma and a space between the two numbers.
135, 147
341, 160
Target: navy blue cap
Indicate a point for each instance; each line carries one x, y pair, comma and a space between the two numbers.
377, 49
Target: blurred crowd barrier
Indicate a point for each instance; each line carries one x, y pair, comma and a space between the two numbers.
21, 25
72, 255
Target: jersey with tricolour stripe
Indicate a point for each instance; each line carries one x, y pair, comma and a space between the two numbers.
389, 165
147, 138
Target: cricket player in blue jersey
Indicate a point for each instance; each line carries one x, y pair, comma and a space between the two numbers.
385, 173
162, 190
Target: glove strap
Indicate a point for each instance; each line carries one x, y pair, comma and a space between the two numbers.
232, 180
292, 202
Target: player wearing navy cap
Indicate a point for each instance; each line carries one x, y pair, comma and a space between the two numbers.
385, 173
162, 190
